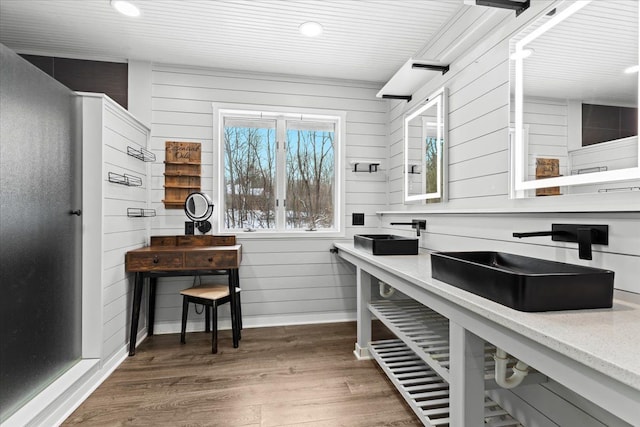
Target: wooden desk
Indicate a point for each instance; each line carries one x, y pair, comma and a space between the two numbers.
180, 256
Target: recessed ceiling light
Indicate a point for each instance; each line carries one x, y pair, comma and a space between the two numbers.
126, 8
632, 70
310, 29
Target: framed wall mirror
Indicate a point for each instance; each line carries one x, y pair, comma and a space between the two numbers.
425, 142
574, 100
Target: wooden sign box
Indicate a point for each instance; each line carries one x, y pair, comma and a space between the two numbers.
182, 172
547, 168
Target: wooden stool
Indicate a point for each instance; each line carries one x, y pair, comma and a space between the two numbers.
212, 297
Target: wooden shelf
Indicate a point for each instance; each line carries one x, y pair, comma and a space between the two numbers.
195, 187
173, 203
182, 172
181, 163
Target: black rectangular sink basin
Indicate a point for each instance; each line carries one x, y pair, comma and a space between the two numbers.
386, 244
524, 283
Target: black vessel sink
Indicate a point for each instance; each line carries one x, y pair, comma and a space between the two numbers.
524, 283
386, 244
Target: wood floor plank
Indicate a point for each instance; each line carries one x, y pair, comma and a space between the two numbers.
281, 376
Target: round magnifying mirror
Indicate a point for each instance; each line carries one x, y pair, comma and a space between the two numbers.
198, 207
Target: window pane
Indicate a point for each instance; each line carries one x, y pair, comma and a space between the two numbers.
249, 173
310, 175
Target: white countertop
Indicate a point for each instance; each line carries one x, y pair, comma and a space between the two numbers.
606, 340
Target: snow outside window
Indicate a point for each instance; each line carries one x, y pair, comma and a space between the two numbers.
280, 171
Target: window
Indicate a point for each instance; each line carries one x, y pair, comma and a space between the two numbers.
279, 170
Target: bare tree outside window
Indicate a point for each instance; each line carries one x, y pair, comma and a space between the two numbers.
249, 176
431, 157
310, 176
432, 146
279, 171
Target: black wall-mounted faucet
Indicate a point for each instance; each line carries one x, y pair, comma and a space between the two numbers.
585, 235
418, 224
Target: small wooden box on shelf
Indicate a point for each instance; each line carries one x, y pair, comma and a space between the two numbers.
547, 168
182, 172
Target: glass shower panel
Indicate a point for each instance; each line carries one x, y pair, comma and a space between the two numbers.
40, 255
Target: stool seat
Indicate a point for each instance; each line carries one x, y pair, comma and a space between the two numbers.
211, 296
209, 292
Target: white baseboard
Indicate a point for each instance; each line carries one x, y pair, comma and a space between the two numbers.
85, 390
173, 327
36, 412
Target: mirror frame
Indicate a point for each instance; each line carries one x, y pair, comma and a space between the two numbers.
519, 145
206, 215
439, 99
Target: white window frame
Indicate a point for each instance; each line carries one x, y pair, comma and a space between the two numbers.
220, 110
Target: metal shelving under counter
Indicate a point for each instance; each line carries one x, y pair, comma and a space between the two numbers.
426, 333
424, 390
417, 362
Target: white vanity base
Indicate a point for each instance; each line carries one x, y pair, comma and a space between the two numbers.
600, 365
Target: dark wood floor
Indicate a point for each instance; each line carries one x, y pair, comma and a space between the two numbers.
281, 376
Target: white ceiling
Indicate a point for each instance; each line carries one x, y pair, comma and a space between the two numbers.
362, 40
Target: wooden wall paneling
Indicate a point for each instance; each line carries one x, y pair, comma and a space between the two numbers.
182, 110
472, 168
481, 186
488, 123
106, 142
481, 70
478, 147
490, 100
225, 80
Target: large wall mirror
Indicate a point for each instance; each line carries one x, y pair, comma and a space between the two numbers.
574, 89
425, 138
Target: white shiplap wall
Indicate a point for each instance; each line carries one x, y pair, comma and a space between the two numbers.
478, 155
284, 280
546, 121
108, 232
121, 233
478, 183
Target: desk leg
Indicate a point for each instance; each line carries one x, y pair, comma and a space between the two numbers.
135, 312
153, 281
233, 280
363, 285
238, 305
